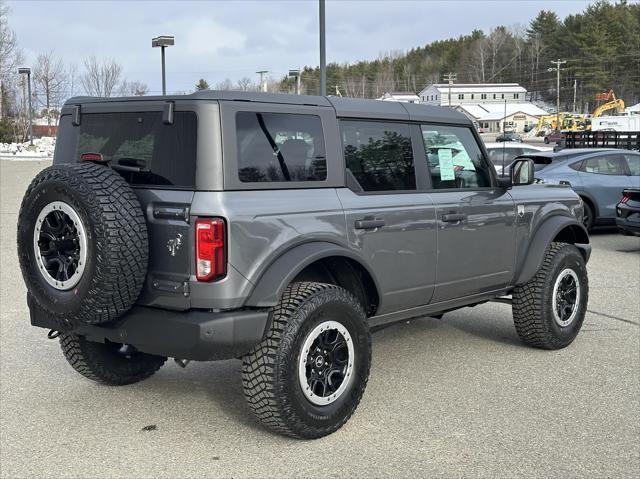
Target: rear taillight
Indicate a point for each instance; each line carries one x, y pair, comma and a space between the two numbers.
210, 254
625, 198
92, 157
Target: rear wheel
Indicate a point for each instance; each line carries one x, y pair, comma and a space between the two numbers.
306, 378
109, 363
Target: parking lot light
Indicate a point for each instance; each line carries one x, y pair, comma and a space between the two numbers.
27, 71
163, 42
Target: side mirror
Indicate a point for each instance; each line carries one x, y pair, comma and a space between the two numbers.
522, 172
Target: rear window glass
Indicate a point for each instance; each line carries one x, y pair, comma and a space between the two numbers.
379, 155
143, 149
276, 147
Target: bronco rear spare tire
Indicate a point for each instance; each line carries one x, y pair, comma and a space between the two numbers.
82, 243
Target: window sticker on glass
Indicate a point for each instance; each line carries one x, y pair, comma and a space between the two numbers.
445, 161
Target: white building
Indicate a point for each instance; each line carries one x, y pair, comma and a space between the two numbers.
633, 110
497, 117
470, 93
401, 96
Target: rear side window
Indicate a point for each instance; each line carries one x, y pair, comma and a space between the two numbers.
143, 149
576, 165
605, 165
379, 155
275, 147
633, 161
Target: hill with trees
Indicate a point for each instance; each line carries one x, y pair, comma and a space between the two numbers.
601, 46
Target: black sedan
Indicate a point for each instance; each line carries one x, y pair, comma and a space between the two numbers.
628, 212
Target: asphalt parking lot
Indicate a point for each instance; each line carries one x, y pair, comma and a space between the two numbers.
451, 398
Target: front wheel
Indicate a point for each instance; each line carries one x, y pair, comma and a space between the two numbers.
587, 216
548, 311
306, 378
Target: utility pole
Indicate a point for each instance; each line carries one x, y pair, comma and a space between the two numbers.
263, 84
558, 66
323, 54
575, 90
450, 77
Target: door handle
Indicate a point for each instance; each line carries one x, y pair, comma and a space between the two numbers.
369, 223
453, 217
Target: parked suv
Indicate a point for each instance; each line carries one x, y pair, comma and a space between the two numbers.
280, 229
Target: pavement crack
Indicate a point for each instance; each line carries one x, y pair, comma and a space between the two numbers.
614, 317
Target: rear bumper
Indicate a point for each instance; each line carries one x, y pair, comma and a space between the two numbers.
628, 226
198, 335
628, 219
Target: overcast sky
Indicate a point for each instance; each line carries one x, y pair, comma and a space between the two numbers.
234, 39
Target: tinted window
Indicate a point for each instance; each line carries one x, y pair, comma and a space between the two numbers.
634, 164
280, 147
154, 152
379, 155
454, 158
576, 165
498, 155
605, 165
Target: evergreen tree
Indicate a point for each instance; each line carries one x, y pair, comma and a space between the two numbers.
202, 85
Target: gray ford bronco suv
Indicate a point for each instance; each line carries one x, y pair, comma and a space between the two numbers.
281, 230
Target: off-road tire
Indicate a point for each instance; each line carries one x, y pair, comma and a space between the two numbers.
270, 371
533, 301
117, 244
103, 363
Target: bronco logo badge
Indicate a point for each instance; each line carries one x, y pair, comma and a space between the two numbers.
174, 244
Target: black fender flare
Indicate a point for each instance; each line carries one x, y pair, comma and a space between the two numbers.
543, 237
273, 281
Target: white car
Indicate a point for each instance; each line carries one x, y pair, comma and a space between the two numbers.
502, 154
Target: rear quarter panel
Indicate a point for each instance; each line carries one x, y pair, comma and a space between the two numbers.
264, 224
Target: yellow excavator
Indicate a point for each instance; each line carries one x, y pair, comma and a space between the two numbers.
616, 104
612, 103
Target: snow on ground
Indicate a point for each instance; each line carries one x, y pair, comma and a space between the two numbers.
42, 149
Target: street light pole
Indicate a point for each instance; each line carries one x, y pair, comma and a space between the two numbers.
163, 42
27, 71
323, 55
164, 76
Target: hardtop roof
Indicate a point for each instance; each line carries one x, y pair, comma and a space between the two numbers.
344, 107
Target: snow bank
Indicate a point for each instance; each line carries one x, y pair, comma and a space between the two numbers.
42, 149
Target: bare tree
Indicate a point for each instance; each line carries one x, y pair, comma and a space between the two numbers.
72, 77
478, 59
50, 81
224, 85
133, 88
496, 40
245, 84
100, 79
10, 57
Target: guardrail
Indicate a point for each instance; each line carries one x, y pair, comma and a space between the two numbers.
627, 140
